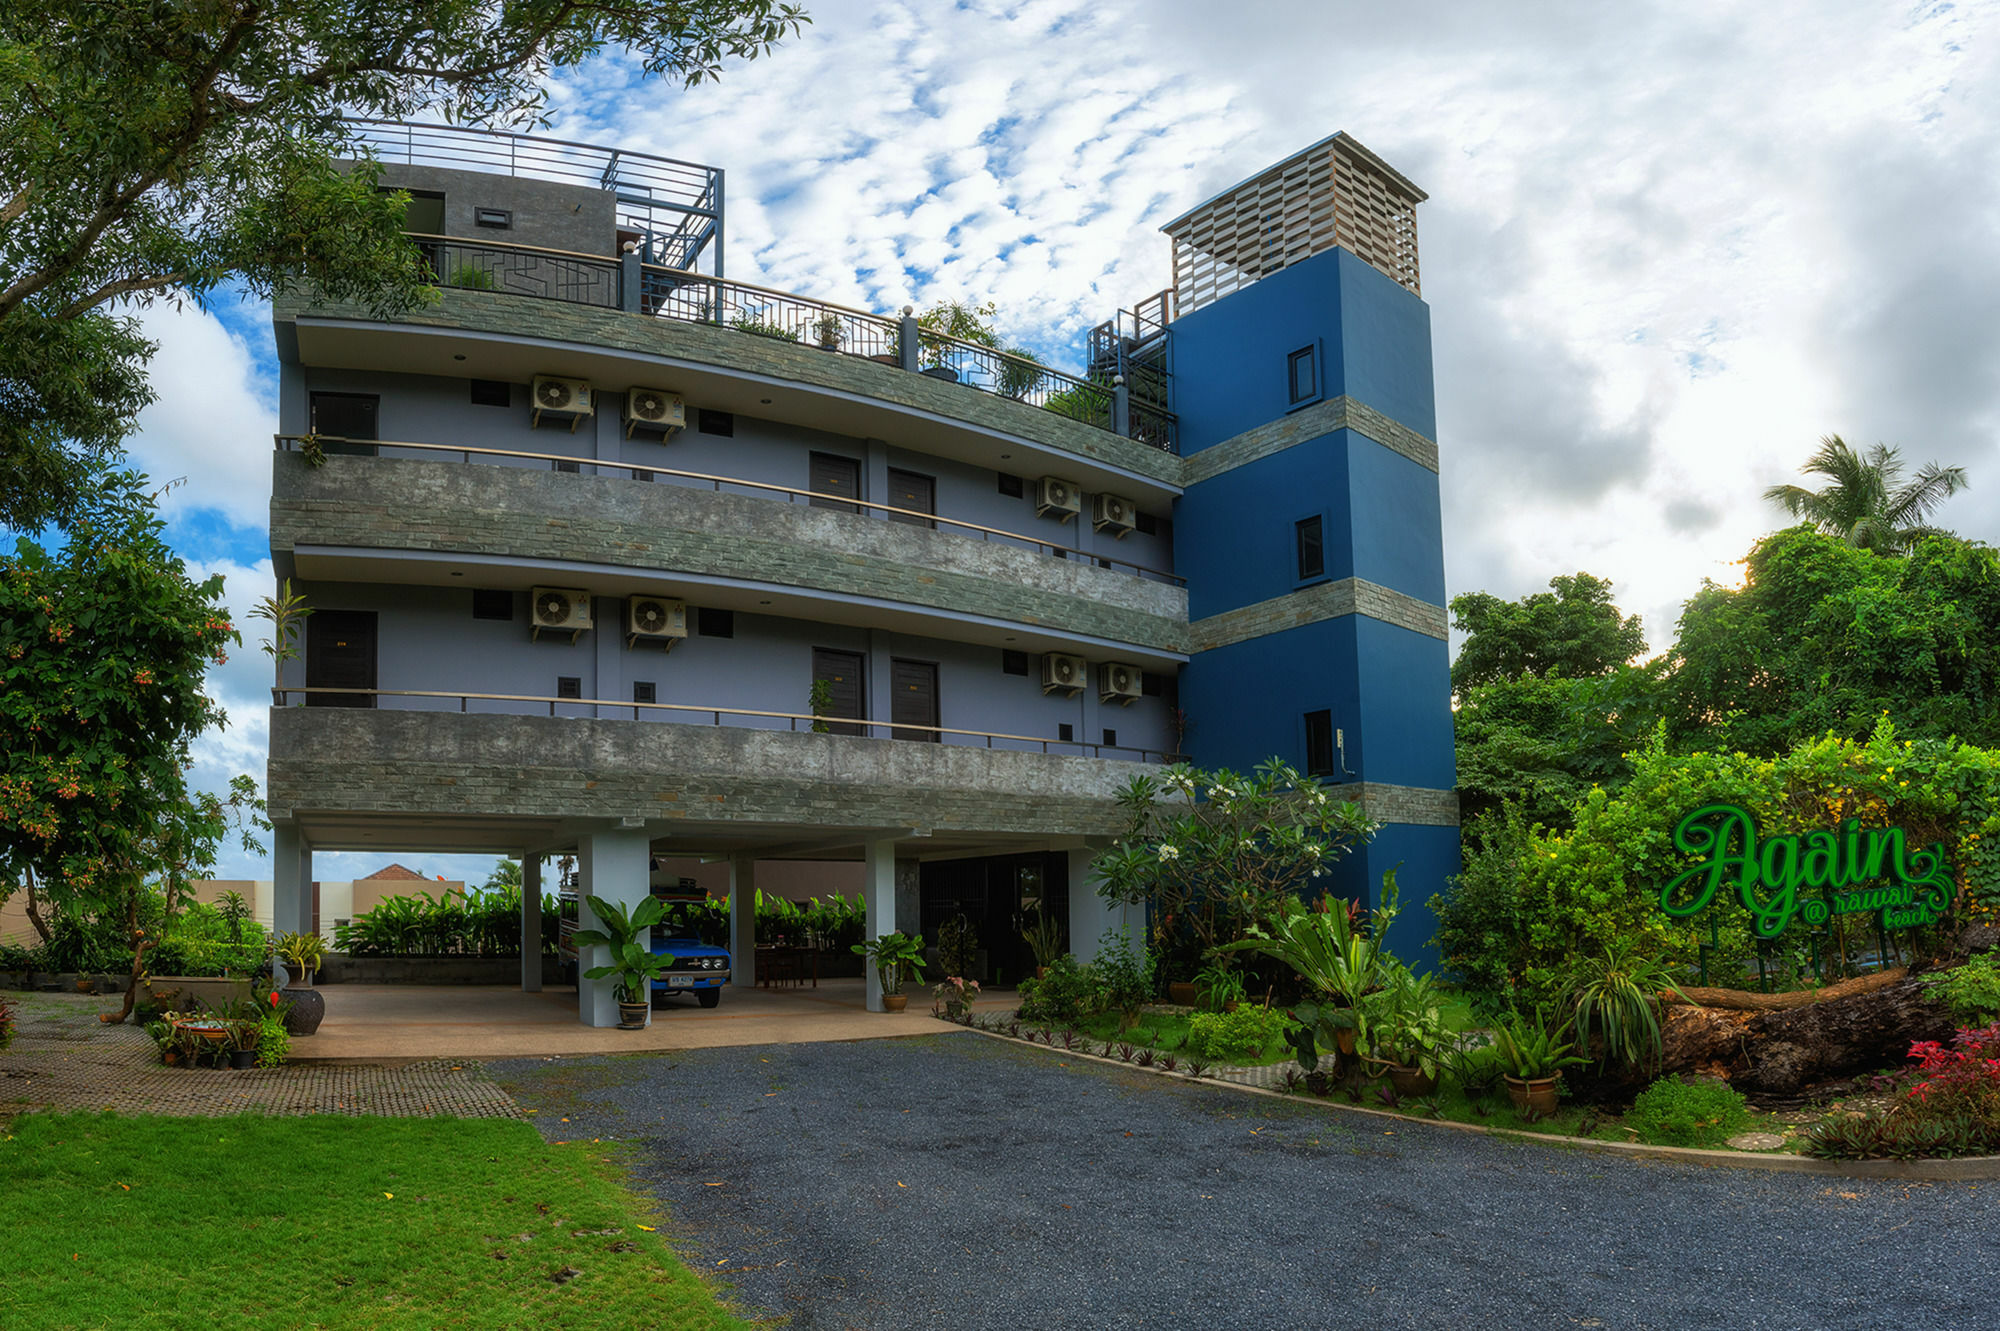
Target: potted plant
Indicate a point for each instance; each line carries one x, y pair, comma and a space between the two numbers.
828, 332
301, 954
1534, 1057
629, 935
895, 957
1218, 987
1044, 937
953, 998
1408, 1033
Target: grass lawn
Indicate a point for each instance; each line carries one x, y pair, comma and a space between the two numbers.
167, 1223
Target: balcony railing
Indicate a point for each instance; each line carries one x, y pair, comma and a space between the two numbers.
792, 494
628, 283
508, 704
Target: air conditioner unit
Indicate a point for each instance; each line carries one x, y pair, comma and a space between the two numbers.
558, 610
1113, 513
561, 399
1120, 682
655, 618
654, 407
1068, 673
1057, 498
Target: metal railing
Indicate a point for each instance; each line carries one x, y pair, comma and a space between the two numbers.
673, 293
522, 270
291, 443
848, 726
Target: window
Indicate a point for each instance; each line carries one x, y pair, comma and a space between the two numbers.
643, 690
494, 603
1011, 486
715, 422
712, 623
1013, 663
569, 686
836, 478
1065, 732
1302, 367
1150, 685
1145, 524
914, 492
569, 467
844, 696
499, 219
346, 416
1110, 738
1311, 548
1319, 743
492, 393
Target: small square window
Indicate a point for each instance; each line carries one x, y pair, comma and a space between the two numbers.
1319, 743
499, 219
641, 474
715, 422
1311, 548
1013, 663
569, 467
492, 603
1110, 738
710, 622
643, 691
1150, 685
569, 686
1011, 486
1065, 732
492, 393
1303, 368
1146, 524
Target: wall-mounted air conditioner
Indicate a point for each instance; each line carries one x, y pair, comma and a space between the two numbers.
1119, 682
1113, 513
658, 619
1067, 673
558, 610
654, 408
561, 400
1057, 498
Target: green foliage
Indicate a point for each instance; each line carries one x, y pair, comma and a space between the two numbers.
1970, 990
1217, 985
1237, 1037
1576, 632
467, 277
1043, 934
1068, 995
1124, 972
274, 1042
820, 699
164, 150
1685, 1112
1866, 502
1538, 745
627, 932
301, 952
957, 947
483, 923
203, 941
957, 319
1213, 853
1089, 402
1529, 1048
1614, 999
1405, 1023
748, 323
896, 957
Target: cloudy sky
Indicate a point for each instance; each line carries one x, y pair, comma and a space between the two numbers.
1667, 246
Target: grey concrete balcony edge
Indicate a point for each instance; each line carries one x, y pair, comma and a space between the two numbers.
441, 764
506, 315
394, 505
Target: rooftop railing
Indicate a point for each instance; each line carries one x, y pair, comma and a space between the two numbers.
750, 718
792, 494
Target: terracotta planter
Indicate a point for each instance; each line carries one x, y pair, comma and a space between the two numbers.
632, 1016
1344, 1041
895, 1002
308, 1010
1536, 1093
1181, 992
1411, 1081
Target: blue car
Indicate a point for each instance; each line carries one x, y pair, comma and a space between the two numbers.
698, 968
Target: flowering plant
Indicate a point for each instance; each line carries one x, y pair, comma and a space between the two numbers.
953, 997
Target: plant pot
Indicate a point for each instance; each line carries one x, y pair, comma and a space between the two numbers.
307, 1012
632, 1016
895, 1002
1319, 1083
1411, 1082
1533, 1093
243, 1058
1344, 1040
944, 372
1181, 992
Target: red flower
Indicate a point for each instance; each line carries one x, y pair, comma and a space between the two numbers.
274, 998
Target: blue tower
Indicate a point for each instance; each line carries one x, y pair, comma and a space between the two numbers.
1309, 530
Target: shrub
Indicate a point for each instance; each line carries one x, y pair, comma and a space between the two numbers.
1068, 995
1124, 974
1971, 991
1234, 1037
6, 1023
1673, 1112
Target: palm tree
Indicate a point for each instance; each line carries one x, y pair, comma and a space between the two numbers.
1868, 505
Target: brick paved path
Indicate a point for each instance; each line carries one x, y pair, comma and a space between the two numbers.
64, 1058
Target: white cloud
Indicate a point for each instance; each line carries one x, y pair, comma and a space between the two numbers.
212, 419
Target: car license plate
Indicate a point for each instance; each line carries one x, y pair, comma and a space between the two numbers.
680, 982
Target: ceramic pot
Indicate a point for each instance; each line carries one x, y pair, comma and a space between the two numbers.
1411, 1081
1536, 1093
308, 1010
632, 1016
895, 1002
1181, 992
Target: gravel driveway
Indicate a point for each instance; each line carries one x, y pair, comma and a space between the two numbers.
957, 1181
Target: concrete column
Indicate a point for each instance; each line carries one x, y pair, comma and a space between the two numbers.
875, 477
909, 340
743, 921
291, 878
611, 864
531, 924
878, 889
1090, 914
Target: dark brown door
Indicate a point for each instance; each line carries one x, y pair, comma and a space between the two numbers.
913, 699
340, 654
347, 416
915, 492
837, 476
841, 673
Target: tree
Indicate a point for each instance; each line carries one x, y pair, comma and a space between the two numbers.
159, 150
104, 645
1824, 636
1867, 504
1540, 743
1575, 632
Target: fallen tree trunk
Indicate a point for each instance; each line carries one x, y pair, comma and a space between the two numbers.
1743, 1000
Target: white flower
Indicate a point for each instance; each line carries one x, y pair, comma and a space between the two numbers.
1169, 853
